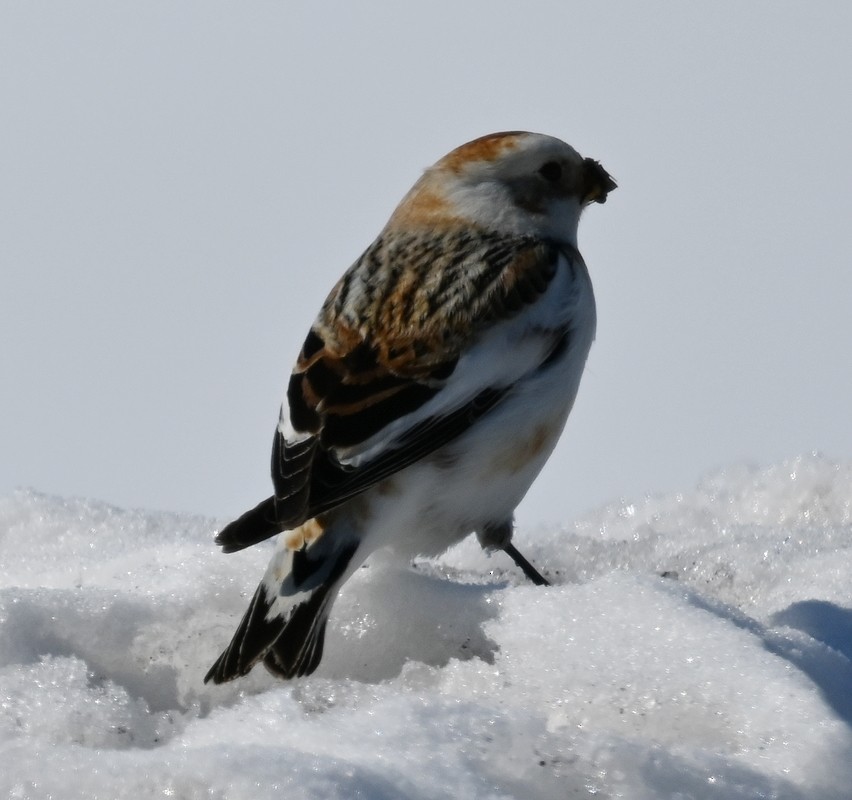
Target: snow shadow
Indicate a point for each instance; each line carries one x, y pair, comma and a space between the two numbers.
823, 621
97, 628
825, 656
390, 616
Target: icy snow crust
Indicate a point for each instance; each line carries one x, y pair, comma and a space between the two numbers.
694, 646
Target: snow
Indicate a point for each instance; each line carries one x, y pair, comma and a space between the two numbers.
695, 645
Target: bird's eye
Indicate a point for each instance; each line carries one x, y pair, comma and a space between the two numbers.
551, 171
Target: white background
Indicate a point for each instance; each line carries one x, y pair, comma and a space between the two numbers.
182, 183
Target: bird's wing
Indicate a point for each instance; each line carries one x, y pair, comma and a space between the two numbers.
406, 354
377, 384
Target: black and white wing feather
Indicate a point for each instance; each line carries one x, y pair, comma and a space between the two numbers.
406, 354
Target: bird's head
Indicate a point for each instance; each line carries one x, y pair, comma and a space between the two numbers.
518, 183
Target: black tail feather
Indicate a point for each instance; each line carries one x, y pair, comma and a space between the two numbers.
248, 644
290, 645
252, 527
298, 650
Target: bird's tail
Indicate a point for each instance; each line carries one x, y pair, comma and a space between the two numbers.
260, 523
285, 624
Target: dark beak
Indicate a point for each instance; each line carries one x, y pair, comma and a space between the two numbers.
597, 182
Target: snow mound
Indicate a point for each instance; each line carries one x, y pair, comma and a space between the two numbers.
697, 645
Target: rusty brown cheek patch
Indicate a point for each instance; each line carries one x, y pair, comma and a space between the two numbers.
486, 148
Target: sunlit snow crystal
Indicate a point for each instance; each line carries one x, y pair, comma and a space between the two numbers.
695, 645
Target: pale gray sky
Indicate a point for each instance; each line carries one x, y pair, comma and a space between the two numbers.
182, 183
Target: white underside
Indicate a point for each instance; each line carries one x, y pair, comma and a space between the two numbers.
481, 477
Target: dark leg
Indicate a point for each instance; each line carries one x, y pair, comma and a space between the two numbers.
528, 569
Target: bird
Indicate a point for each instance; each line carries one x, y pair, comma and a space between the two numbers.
430, 390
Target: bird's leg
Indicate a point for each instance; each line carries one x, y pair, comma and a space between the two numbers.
498, 536
528, 569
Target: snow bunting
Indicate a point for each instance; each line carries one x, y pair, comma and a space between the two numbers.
430, 390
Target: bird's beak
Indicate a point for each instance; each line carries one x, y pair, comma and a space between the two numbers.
597, 183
